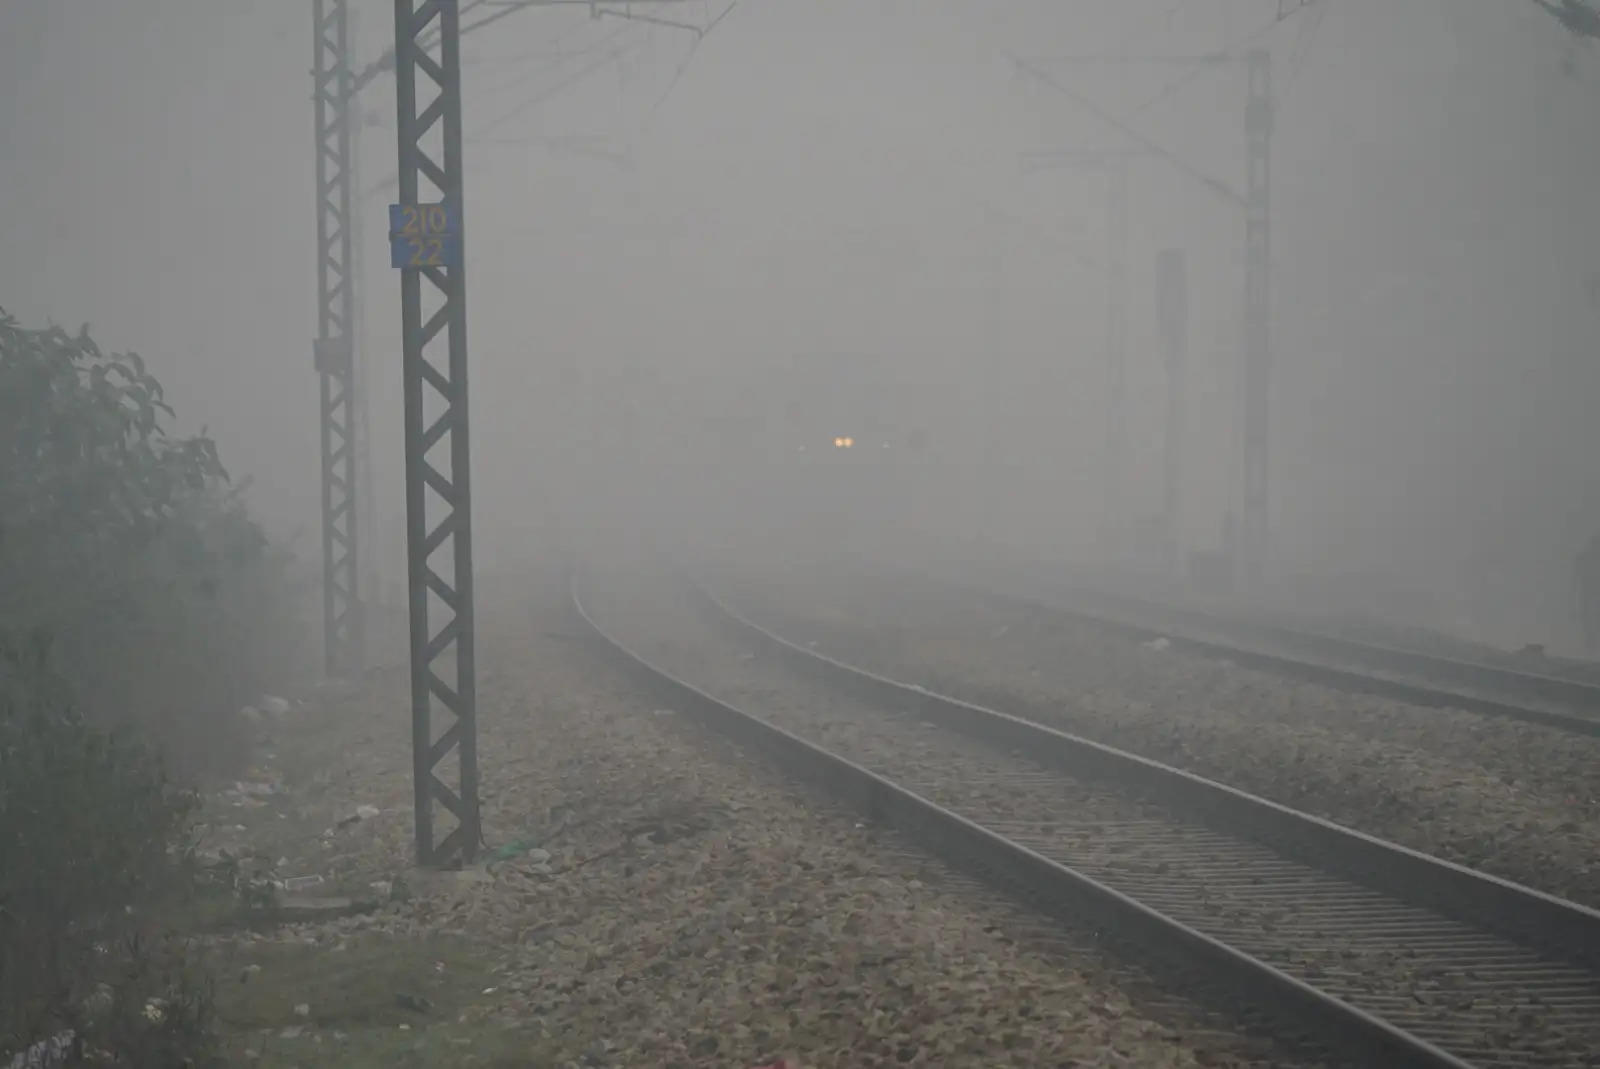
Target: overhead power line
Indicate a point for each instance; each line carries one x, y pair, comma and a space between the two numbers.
1200, 63
597, 9
603, 59
677, 75
1215, 185
1286, 10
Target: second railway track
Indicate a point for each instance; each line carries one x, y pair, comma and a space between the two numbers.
1410, 960
1521, 693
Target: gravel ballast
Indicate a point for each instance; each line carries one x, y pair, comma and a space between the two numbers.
1398, 961
1513, 799
668, 901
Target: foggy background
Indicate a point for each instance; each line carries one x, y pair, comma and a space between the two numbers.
826, 176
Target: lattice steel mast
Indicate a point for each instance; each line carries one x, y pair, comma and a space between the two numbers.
1116, 459
1172, 311
343, 612
369, 583
1256, 367
437, 456
1253, 529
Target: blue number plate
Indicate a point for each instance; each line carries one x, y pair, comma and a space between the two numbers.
424, 220
425, 252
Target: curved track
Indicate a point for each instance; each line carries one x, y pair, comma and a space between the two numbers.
1394, 957
1414, 676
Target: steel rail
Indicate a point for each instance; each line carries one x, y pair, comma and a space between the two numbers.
1421, 678
1065, 892
1551, 924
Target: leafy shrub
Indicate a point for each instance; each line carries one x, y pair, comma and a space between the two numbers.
90, 838
168, 607
140, 606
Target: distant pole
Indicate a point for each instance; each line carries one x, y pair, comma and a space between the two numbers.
1249, 536
333, 99
427, 243
1114, 527
366, 492
1253, 534
1172, 310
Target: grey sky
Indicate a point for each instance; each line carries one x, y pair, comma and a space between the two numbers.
829, 175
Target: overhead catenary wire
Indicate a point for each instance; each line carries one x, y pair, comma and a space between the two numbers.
1163, 21
624, 158
385, 61
553, 50
1232, 51
606, 44
548, 92
1215, 185
677, 76
544, 94
1202, 63
477, 137
1301, 54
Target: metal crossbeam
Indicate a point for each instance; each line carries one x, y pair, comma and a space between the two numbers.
343, 615
439, 533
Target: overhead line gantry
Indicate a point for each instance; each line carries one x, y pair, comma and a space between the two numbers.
427, 245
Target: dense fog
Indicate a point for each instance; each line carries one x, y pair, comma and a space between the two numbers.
671, 237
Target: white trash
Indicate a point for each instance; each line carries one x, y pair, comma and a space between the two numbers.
47, 1053
297, 883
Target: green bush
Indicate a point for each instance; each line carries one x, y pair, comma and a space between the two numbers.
140, 606
90, 844
167, 605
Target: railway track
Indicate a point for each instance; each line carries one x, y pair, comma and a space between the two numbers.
1414, 676
1386, 955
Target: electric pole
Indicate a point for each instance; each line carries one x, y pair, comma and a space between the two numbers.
366, 491
1253, 530
1116, 460
343, 615
1172, 311
347, 506
1256, 203
427, 242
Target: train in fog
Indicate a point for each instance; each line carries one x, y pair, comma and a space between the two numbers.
841, 448
835, 450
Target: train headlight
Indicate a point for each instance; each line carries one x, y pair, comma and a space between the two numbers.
843, 443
